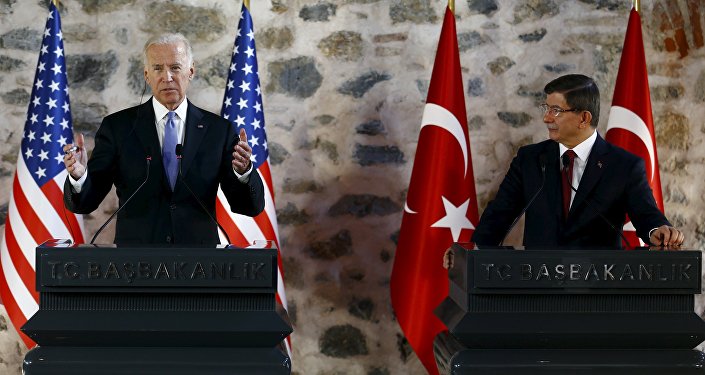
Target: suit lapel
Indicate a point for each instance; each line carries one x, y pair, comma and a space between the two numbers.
194, 131
553, 181
146, 132
596, 165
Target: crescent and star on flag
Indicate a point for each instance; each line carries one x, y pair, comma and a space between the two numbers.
455, 218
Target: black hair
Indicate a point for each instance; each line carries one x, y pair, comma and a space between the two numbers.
580, 93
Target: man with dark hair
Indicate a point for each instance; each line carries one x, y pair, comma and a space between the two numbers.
582, 187
138, 150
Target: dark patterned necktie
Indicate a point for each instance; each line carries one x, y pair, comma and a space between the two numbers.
567, 179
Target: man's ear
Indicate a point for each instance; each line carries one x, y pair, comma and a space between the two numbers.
586, 118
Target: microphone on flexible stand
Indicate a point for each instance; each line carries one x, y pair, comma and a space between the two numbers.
149, 161
564, 162
542, 162
179, 155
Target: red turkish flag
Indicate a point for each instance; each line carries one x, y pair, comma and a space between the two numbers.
631, 125
440, 208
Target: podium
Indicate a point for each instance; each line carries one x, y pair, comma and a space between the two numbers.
146, 310
571, 311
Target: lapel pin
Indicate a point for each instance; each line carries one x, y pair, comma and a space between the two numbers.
599, 164
200, 126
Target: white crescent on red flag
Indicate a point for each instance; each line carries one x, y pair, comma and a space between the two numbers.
631, 125
441, 207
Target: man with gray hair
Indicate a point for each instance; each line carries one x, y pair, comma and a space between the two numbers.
157, 153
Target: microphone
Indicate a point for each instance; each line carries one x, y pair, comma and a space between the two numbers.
149, 161
565, 161
542, 162
179, 155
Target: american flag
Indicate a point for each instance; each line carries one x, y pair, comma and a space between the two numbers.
242, 105
36, 211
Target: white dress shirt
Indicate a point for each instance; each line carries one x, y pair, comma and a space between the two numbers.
160, 117
582, 151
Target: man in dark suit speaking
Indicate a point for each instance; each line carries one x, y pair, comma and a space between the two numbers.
582, 187
136, 148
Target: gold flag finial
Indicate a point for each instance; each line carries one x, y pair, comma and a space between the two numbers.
247, 3
636, 5
56, 3
451, 5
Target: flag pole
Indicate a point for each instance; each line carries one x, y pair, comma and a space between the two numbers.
451, 5
636, 5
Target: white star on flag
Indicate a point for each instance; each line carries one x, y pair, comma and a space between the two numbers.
242, 229
455, 219
37, 211
242, 103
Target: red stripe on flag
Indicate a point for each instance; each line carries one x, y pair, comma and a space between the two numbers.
263, 221
19, 261
265, 225
266, 174
234, 233
56, 197
35, 226
13, 310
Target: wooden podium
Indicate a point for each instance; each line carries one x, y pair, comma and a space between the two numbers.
146, 310
571, 311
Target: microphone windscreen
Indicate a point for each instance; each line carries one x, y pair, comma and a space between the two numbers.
565, 160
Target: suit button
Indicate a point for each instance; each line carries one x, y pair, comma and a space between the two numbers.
172, 206
168, 239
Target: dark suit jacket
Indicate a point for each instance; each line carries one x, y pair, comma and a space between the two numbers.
613, 184
155, 214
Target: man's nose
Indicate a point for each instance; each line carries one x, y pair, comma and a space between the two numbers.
169, 76
547, 118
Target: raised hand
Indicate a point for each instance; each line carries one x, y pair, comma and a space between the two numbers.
75, 157
241, 154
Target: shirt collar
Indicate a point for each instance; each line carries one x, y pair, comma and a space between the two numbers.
583, 149
160, 111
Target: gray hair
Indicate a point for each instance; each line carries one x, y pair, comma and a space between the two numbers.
168, 38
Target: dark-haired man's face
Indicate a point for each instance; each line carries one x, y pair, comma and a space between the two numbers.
567, 128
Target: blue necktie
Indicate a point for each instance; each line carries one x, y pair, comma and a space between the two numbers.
171, 165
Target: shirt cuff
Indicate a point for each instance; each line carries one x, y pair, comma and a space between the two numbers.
78, 185
245, 177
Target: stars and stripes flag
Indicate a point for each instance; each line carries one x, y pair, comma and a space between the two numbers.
242, 106
631, 124
440, 206
36, 210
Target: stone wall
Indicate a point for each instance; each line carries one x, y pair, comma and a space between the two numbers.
344, 87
